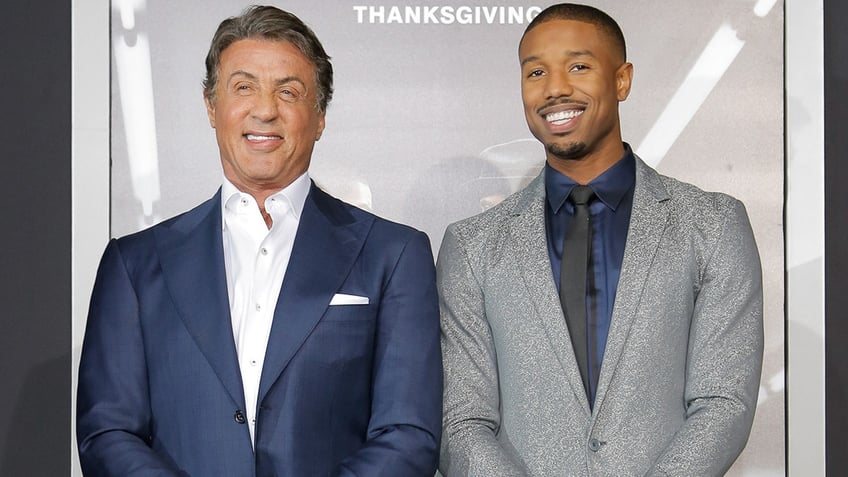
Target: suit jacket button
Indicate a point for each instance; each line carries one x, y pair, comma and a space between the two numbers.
594, 445
239, 417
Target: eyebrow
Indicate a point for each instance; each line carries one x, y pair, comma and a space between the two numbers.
568, 53
290, 79
247, 75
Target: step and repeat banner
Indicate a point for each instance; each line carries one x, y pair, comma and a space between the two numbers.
427, 127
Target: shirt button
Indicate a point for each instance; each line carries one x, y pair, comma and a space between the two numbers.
253, 362
239, 417
264, 251
258, 307
244, 202
594, 445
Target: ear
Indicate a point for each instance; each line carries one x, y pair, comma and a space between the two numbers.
623, 80
321, 125
210, 110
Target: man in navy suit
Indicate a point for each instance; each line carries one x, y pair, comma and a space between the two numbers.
272, 330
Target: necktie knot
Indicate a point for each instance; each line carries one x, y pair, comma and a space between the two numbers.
581, 194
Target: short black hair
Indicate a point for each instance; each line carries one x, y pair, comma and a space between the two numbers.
582, 13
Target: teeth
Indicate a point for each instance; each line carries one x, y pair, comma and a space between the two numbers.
563, 116
254, 137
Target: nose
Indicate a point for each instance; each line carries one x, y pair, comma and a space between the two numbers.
265, 107
558, 84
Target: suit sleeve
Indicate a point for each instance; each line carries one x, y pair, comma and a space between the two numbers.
724, 357
471, 398
113, 412
405, 426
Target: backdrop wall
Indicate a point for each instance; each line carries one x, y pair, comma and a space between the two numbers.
426, 126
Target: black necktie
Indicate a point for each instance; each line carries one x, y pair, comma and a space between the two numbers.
572, 289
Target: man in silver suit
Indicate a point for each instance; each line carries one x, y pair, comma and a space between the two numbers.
655, 369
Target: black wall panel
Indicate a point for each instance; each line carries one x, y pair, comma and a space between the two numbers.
35, 238
836, 235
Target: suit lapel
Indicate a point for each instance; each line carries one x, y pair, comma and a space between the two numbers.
328, 241
529, 246
647, 222
192, 257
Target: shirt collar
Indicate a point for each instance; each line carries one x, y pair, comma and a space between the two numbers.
610, 187
293, 194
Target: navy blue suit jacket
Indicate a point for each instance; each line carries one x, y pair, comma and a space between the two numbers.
345, 389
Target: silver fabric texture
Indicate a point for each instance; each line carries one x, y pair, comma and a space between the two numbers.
678, 385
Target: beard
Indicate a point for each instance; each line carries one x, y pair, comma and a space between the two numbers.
573, 150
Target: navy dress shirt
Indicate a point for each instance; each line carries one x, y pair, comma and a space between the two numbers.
610, 214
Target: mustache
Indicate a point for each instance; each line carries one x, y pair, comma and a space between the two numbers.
558, 101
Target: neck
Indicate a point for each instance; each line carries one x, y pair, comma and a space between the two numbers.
266, 216
585, 168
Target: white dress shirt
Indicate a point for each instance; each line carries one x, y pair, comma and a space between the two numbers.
256, 259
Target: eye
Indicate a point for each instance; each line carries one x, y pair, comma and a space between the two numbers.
243, 88
579, 67
535, 73
289, 93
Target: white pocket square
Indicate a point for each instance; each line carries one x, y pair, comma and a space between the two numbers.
344, 299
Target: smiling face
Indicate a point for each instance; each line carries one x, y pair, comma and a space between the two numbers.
573, 78
265, 115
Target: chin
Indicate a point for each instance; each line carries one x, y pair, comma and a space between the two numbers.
573, 150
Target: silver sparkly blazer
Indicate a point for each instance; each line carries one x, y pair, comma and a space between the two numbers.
679, 380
